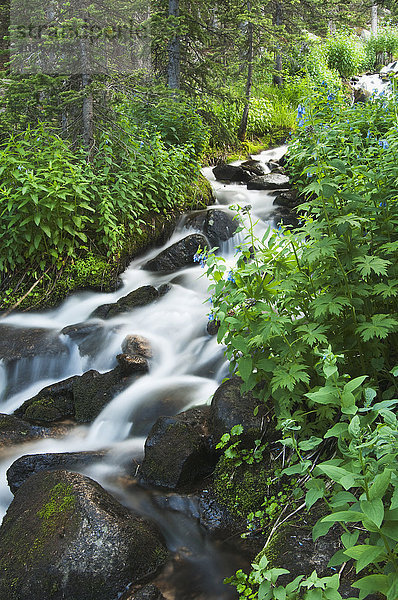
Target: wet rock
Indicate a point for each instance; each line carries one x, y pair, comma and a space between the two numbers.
14, 431
230, 407
231, 173
178, 255
275, 167
272, 181
140, 297
213, 326
164, 289
64, 536
137, 344
26, 466
177, 450
130, 365
165, 403
217, 225
101, 311
79, 331
255, 167
92, 391
17, 343
286, 199
53, 403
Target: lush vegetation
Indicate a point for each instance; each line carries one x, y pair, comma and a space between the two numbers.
310, 322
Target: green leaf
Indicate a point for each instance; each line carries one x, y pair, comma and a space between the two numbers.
310, 444
371, 264
337, 559
337, 430
374, 510
352, 385
338, 164
320, 529
372, 583
350, 539
379, 326
312, 496
354, 428
245, 366
364, 555
380, 485
344, 516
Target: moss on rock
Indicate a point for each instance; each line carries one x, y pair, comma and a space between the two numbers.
241, 489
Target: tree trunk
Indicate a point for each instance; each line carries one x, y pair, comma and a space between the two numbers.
249, 80
173, 71
277, 78
88, 101
374, 19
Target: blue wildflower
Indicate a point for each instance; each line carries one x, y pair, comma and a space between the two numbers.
384, 144
211, 317
231, 277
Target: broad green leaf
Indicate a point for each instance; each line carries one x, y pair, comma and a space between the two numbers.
380, 485
372, 583
336, 430
350, 539
245, 367
320, 529
354, 428
374, 510
344, 516
310, 444
312, 496
337, 559
364, 555
352, 385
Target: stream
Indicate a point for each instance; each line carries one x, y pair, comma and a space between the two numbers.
187, 365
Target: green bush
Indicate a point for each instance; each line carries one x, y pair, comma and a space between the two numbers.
382, 46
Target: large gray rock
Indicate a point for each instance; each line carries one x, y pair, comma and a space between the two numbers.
177, 450
231, 173
217, 225
272, 181
26, 466
254, 167
178, 255
230, 407
65, 537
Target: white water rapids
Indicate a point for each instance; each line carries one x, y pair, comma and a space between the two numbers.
187, 363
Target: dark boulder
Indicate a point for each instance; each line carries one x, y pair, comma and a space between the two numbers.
17, 343
231, 173
14, 431
272, 181
230, 407
287, 199
178, 255
275, 167
79, 331
26, 466
101, 311
140, 297
64, 536
254, 167
213, 326
92, 391
53, 403
147, 592
217, 225
177, 450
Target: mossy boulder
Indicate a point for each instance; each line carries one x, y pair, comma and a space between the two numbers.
53, 403
29, 464
177, 450
230, 407
241, 489
178, 255
64, 536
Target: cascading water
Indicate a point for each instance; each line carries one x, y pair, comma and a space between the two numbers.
187, 366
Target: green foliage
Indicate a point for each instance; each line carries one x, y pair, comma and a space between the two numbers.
310, 319
383, 46
346, 54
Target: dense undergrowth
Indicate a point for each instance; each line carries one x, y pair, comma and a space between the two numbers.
310, 320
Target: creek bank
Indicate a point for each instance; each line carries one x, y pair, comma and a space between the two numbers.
95, 272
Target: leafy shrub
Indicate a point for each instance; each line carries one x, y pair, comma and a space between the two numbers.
382, 45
